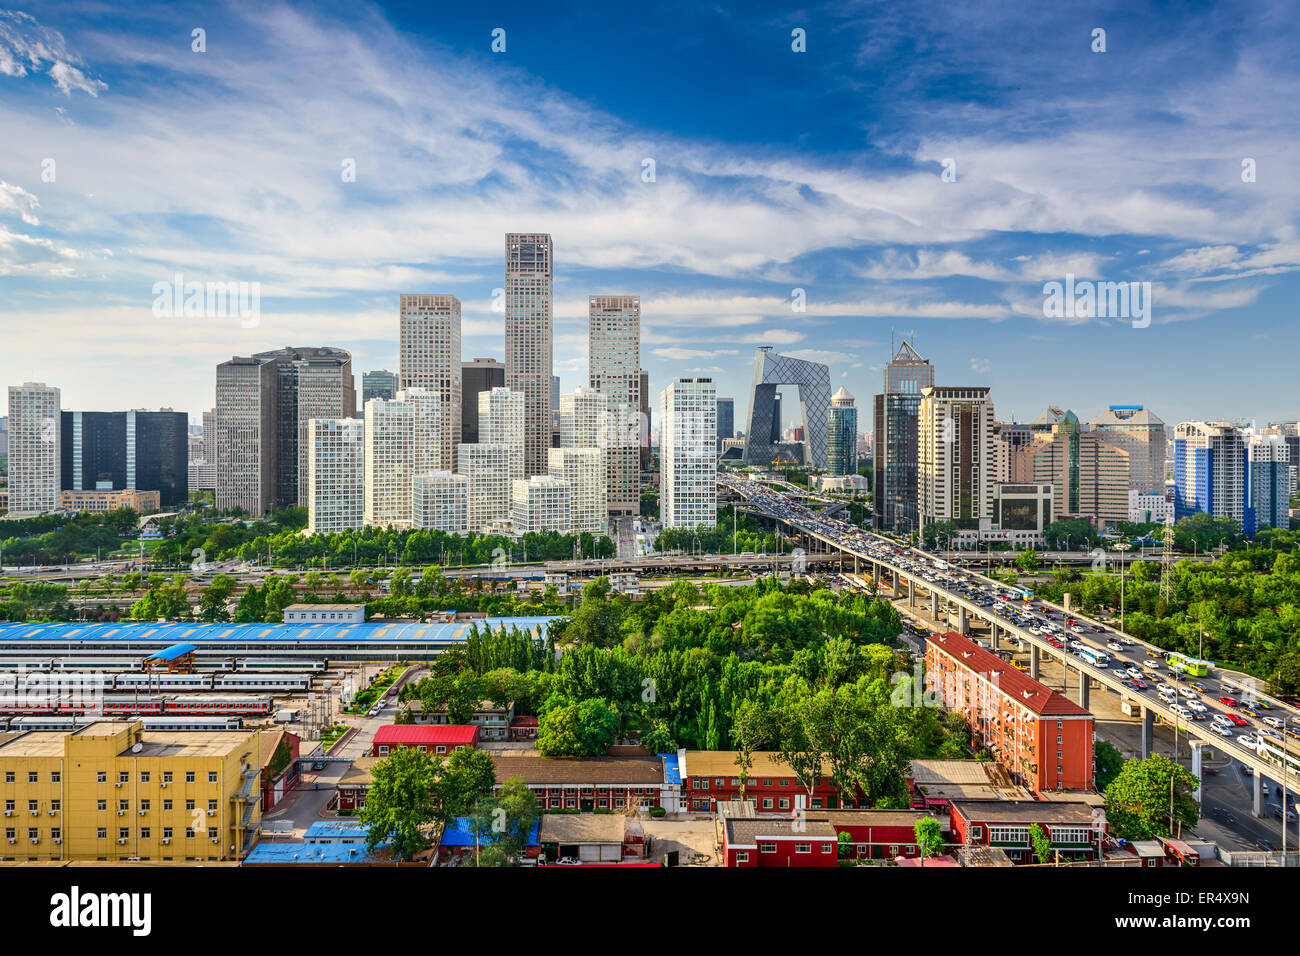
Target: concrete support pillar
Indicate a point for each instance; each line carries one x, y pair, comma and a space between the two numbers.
1148, 730
934, 605
993, 636
911, 593
1084, 685
1196, 746
855, 562
1033, 661
961, 621
1257, 796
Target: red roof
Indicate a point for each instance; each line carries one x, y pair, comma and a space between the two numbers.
412, 735
1022, 688
524, 720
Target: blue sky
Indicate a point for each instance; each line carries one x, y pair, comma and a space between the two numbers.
774, 170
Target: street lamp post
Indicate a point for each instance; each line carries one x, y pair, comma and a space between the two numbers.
1121, 548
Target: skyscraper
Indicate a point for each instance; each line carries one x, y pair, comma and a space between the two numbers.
427, 447
688, 442
146, 451
438, 502
841, 434
1089, 475
487, 470
540, 503
1141, 433
429, 357
259, 464
529, 334
894, 438
614, 369
501, 422
246, 417
1210, 470
726, 419
584, 470
480, 375
954, 462
582, 415
335, 475
389, 440
772, 371
645, 420
379, 383
1270, 484
35, 465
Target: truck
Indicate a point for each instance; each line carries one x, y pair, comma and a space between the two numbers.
285, 716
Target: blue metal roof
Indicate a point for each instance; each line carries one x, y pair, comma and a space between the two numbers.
173, 652
461, 833
672, 772
198, 634
301, 853
336, 830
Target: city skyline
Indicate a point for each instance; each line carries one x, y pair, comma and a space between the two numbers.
866, 227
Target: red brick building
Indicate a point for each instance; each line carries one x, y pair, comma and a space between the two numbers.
431, 738
768, 840
624, 778
1039, 734
879, 834
1075, 829
711, 776
278, 777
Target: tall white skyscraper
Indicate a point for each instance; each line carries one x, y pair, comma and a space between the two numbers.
438, 502
501, 422
614, 370
427, 447
955, 461
335, 474
325, 389
429, 356
389, 438
541, 503
486, 468
583, 469
35, 445
688, 441
529, 335
582, 418
1210, 472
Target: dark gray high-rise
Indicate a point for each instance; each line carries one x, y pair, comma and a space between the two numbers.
147, 451
896, 449
480, 375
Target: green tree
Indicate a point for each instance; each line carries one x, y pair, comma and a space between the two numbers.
929, 836
467, 775
1027, 560
400, 803
582, 729
1139, 799
1108, 761
1042, 843
750, 730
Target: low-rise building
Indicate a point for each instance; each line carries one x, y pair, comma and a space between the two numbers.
625, 777
588, 838
435, 739
322, 613
102, 502
492, 719
459, 839
1075, 829
712, 776
767, 840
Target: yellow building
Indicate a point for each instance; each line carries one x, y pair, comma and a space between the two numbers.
110, 791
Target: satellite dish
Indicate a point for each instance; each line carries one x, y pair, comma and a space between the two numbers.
137, 748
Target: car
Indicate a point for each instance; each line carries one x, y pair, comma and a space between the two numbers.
1248, 710
1137, 684
1247, 741
1133, 672
1152, 663
1237, 721
1196, 706
1166, 689
1230, 701
1114, 646
1221, 730
1189, 694
1199, 688
1054, 642
1272, 722
1246, 771
1263, 703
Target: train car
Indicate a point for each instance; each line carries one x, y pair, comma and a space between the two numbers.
219, 704
164, 682
26, 664
117, 705
214, 663
98, 663
49, 723
23, 703
66, 681
192, 723
315, 665
278, 682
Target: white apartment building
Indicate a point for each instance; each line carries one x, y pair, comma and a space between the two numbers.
486, 468
583, 416
955, 456
614, 370
1272, 481
427, 447
35, 448
501, 422
541, 503
429, 356
584, 470
324, 390
389, 435
529, 337
1210, 472
439, 500
335, 475
1143, 509
688, 441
